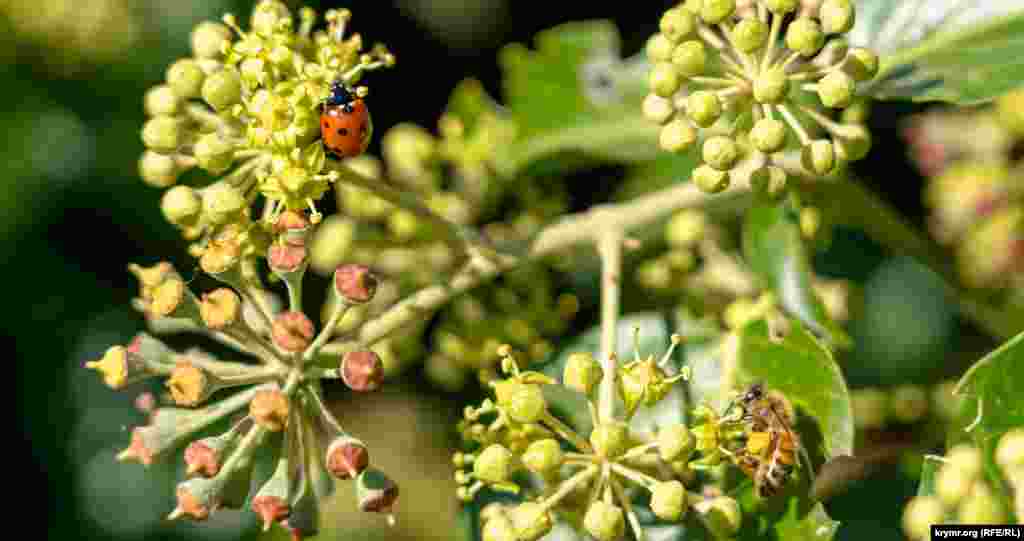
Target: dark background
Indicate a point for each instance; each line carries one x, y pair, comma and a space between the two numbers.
74, 214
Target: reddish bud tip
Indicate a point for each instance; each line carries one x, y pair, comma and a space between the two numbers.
188, 384
355, 283
362, 370
292, 331
137, 449
271, 509
286, 257
201, 458
145, 403
347, 457
292, 226
191, 505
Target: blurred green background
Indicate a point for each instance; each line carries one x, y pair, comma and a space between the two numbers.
73, 214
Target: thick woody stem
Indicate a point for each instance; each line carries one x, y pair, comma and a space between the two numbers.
609, 247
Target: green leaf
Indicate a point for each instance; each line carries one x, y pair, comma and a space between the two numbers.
804, 371
943, 50
929, 467
994, 391
701, 350
775, 251
575, 94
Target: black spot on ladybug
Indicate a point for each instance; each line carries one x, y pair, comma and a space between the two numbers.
342, 131
362, 129
327, 124
347, 108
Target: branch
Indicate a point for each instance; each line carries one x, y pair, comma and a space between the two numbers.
609, 247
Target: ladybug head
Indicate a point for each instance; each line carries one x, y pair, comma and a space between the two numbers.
340, 94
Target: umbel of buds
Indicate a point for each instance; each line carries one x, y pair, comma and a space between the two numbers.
739, 84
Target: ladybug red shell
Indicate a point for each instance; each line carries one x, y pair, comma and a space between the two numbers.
345, 125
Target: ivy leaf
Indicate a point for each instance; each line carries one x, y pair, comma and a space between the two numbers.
573, 93
994, 392
802, 369
943, 50
775, 251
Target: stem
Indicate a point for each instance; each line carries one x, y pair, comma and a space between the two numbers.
337, 313
639, 478
567, 432
567, 487
609, 247
634, 521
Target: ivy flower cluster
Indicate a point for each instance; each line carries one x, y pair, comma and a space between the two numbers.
591, 478
736, 78
965, 493
278, 410
245, 108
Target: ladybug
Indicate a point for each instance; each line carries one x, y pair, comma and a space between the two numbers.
345, 126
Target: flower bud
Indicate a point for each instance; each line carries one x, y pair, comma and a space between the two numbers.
181, 206
209, 39
771, 86
836, 89
690, 59
678, 24
161, 100
525, 403
269, 408
659, 48
120, 367
347, 457
685, 228
750, 35
214, 153
610, 439
769, 182
664, 79
604, 521
286, 258
1010, 450
543, 456
837, 16
919, 516
222, 89
861, 64
952, 484
355, 283
159, 170
362, 370
668, 500
220, 308
172, 299
657, 109
703, 108
869, 408
198, 497
186, 78
582, 372
781, 7
769, 135
220, 257
675, 442
223, 203
908, 403
965, 458
189, 385
721, 515
375, 492
270, 17
677, 136
206, 456
292, 331
853, 142
163, 133
804, 36
819, 157
716, 11
981, 506
709, 179
720, 152
493, 464
530, 521
499, 528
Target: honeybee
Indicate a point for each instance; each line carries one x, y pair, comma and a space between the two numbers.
769, 455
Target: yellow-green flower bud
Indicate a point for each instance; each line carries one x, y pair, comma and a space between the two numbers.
769, 181
493, 464
163, 133
685, 228
836, 89
919, 516
610, 439
750, 35
222, 89
1010, 451
582, 372
853, 142
771, 86
530, 521
861, 64
668, 500
781, 7
690, 58
834, 51
209, 39
703, 108
526, 403
769, 135
161, 100
659, 48
186, 78
869, 407
604, 521
819, 157
270, 16
966, 458
543, 456
720, 152
675, 442
664, 79
159, 170
223, 203
804, 36
709, 179
716, 11
837, 16
654, 274
810, 222
657, 109
499, 528
952, 484
721, 515
677, 136
981, 506
214, 153
908, 403
677, 24
181, 206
